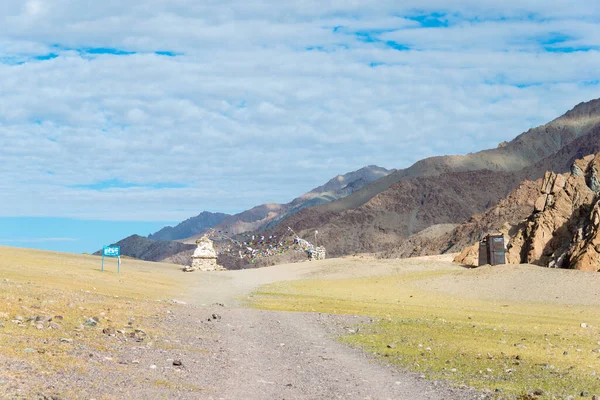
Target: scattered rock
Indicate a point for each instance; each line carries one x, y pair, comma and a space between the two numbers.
175, 301
29, 350
153, 366
45, 397
214, 317
538, 392
177, 363
109, 331
391, 346
584, 393
583, 325
137, 337
65, 340
91, 322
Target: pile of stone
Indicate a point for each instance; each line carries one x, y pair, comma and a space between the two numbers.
317, 253
204, 257
564, 229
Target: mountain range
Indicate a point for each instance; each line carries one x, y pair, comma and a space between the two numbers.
422, 209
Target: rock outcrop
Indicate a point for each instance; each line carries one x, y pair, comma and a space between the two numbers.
563, 231
469, 256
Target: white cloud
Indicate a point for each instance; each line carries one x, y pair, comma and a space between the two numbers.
264, 100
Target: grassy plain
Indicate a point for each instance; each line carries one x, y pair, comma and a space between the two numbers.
64, 291
509, 348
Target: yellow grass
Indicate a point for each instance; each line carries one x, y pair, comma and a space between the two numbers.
71, 289
509, 348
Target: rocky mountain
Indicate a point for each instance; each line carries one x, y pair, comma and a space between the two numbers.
257, 217
384, 215
429, 207
509, 211
563, 229
268, 215
190, 227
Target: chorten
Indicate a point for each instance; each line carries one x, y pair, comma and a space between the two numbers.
205, 256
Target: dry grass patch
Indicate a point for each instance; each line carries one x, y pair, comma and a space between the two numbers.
509, 348
55, 306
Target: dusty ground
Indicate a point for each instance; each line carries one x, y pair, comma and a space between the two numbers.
229, 352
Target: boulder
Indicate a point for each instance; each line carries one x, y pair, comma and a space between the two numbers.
469, 256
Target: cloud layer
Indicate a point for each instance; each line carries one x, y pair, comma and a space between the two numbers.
157, 110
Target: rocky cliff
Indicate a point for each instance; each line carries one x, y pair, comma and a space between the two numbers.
563, 229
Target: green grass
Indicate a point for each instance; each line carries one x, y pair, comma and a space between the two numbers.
512, 347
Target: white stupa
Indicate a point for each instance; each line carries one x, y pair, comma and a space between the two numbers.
205, 256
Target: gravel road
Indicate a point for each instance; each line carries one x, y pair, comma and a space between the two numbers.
257, 354
282, 355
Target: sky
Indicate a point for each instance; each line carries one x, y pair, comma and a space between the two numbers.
118, 117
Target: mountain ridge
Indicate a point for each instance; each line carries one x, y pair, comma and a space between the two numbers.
387, 215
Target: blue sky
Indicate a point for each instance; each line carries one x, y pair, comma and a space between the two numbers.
76, 235
150, 111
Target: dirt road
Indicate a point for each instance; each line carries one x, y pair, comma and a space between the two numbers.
280, 355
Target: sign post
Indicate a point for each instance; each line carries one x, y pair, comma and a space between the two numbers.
112, 251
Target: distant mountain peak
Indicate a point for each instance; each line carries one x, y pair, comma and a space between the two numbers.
190, 227
584, 109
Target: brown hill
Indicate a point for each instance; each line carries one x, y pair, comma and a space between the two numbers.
269, 214
441, 190
525, 150
407, 207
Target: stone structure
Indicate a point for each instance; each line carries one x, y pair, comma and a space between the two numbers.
317, 253
313, 252
204, 257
